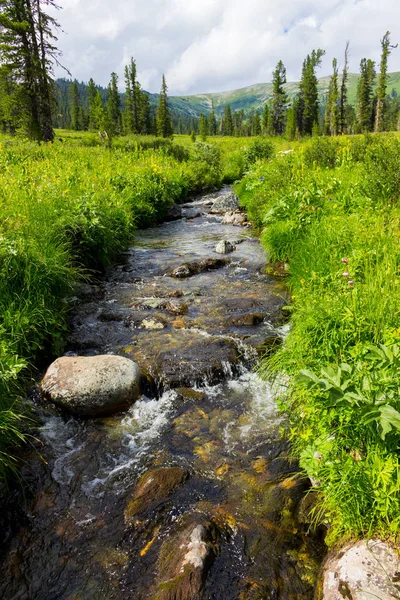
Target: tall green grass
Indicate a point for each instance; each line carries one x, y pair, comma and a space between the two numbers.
67, 210
331, 210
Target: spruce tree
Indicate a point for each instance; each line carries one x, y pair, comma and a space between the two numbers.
228, 122
331, 124
27, 37
365, 106
203, 129
212, 121
256, 124
113, 108
343, 92
308, 95
265, 119
279, 99
164, 124
75, 107
381, 103
290, 130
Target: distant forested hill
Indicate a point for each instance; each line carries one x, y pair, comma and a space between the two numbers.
185, 110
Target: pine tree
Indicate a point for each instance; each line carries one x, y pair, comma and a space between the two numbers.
164, 124
228, 122
308, 95
203, 129
265, 119
27, 52
290, 130
256, 124
381, 103
343, 92
113, 108
365, 106
279, 99
96, 113
145, 115
212, 121
331, 125
75, 107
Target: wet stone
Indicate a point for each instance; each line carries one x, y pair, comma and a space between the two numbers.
92, 386
194, 268
177, 308
185, 561
154, 487
152, 323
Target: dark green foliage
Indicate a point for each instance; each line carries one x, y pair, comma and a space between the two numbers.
259, 149
343, 93
381, 103
365, 105
113, 117
227, 121
164, 124
331, 125
322, 152
279, 99
212, 121
203, 128
27, 51
308, 94
75, 107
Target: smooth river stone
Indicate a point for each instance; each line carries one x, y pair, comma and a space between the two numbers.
91, 386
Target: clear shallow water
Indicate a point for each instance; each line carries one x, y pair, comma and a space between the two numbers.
68, 538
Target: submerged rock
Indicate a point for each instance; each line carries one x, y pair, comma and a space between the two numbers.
153, 323
224, 247
225, 203
185, 560
174, 307
361, 570
185, 358
174, 213
194, 268
91, 386
155, 486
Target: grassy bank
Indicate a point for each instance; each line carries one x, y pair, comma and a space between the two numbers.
331, 211
67, 210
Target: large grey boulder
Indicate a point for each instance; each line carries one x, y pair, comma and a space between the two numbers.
91, 386
360, 571
226, 202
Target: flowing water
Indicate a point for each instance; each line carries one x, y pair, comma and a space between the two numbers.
206, 420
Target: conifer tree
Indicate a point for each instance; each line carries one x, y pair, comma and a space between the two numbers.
381, 103
212, 121
96, 113
308, 95
279, 99
256, 124
265, 119
113, 108
27, 36
145, 114
364, 108
75, 107
227, 122
164, 124
290, 130
203, 129
343, 92
331, 125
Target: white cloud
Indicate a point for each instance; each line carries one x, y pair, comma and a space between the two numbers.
215, 45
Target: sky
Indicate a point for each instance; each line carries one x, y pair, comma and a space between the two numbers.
218, 45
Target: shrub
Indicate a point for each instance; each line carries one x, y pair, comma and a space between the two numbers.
259, 149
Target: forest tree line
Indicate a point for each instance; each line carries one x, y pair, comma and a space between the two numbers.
32, 102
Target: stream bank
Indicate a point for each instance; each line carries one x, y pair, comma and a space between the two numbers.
190, 493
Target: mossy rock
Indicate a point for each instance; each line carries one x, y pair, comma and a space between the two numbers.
154, 487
